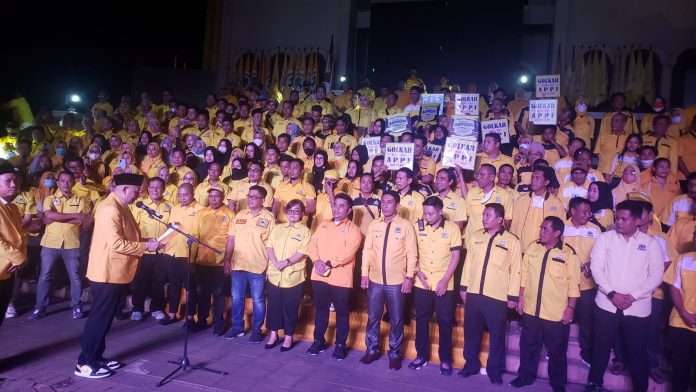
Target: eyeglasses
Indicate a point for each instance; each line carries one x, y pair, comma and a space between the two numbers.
254, 197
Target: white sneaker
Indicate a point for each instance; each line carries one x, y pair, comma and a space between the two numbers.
158, 315
87, 371
11, 312
137, 316
332, 308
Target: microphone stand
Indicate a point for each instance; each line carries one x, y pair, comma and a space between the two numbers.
183, 362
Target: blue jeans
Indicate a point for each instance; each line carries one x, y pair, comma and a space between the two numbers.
49, 256
256, 285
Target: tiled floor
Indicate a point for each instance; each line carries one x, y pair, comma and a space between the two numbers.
40, 356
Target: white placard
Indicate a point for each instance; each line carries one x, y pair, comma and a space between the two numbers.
465, 126
372, 144
438, 99
459, 151
433, 150
548, 86
397, 123
543, 111
466, 104
499, 126
398, 155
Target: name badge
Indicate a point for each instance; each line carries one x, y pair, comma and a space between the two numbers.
397, 230
240, 221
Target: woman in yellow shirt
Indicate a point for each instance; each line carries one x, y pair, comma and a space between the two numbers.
287, 253
601, 205
627, 156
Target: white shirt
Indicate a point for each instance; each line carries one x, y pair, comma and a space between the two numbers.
632, 267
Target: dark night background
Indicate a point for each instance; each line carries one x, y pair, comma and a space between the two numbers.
55, 48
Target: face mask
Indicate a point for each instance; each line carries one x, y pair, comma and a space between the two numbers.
60, 151
222, 149
93, 156
676, 119
582, 108
258, 142
48, 183
658, 107
524, 146
308, 151
646, 162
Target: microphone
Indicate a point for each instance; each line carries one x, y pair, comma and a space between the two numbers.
147, 209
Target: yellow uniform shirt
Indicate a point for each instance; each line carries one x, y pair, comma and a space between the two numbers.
272, 175
581, 238
681, 234
454, 207
427, 166
250, 234
362, 117
89, 190
384, 112
177, 175
570, 190
605, 218
667, 147
116, 246
171, 194
411, 206
584, 126
682, 275
678, 208
493, 265
549, 278
13, 241
530, 212
435, 246
390, 253
212, 137
26, 203
282, 126
476, 201
212, 227
497, 162
336, 243
296, 145
240, 189
150, 228
607, 147
365, 211
687, 152
286, 191
63, 235
348, 140
185, 216
605, 125
201, 192
286, 240
324, 211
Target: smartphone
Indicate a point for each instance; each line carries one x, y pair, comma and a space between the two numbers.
122, 163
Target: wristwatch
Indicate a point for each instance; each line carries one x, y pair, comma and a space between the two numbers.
610, 295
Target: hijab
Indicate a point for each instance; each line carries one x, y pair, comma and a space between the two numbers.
605, 199
619, 193
318, 171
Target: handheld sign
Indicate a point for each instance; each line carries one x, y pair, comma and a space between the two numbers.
397, 123
372, 144
465, 126
466, 104
548, 86
499, 126
428, 112
398, 155
459, 151
543, 111
437, 99
433, 150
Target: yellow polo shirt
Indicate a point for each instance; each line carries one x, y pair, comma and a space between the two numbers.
201, 192
581, 239
213, 227
435, 246
286, 191
682, 275
411, 206
240, 189
549, 278
63, 235
454, 207
185, 216
493, 265
150, 228
250, 234
476, 201
530, 212
390, 253
286, 240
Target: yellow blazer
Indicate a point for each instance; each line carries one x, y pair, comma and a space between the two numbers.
116, 245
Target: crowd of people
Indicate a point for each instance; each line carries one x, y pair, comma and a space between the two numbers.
566, 223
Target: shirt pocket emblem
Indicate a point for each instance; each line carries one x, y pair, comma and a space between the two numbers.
397, 230
262, 223
642, 247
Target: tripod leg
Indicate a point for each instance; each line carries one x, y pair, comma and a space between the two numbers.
208, 370
169, 376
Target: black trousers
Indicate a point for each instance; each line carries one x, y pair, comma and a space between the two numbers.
584, 314
6, 287
682, 347
324, 295
425, 302
176, 274
553, 335
105, 300
634, 332
211, 282
282, 308
149, 281
483, 313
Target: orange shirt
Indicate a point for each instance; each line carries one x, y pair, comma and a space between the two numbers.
337, 243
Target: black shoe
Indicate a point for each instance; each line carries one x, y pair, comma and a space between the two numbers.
520, 382
167, 320
269, 346
467, 373
340, 352
446, 371
316, 348
395, 363
122, 316
197, 327
558, 389
369, 357
189, 324
496, 380
255, 338
234, 333
593, 388
418, 363
217, 332
284, 349
109, 364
